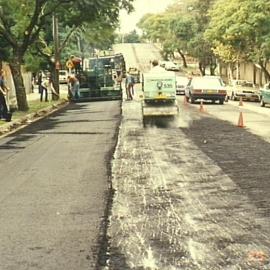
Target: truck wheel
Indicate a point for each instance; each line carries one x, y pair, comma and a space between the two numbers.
221, 101
145, 122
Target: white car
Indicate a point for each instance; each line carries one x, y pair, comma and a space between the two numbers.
181, 84
63, 76
163, 63
207, 88
242, 88
171, 66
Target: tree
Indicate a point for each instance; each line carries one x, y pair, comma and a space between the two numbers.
239, 30
22, 21
132, 37
198, 46
154, 27
181, 28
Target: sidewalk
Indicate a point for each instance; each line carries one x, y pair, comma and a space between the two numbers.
37, 110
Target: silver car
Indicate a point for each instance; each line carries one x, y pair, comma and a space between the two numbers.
207, 88
243, 89
181, 84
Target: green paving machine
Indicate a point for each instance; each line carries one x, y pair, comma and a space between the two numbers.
101, 78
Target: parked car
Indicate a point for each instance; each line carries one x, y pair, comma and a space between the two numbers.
163, 63
207, 88
63, 76
265, 95
171, 66
242, 88
181, 84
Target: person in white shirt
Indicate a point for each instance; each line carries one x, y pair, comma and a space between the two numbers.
156, 67
129, 86
47, 86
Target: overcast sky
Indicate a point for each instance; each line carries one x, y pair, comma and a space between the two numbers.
128, 22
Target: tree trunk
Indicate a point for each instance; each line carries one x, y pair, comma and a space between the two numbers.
238, 70
55, 81
213, 66
265, 71
202, 68
15, 67
254, 74
183, 58
213, 69
54, 75
231, 71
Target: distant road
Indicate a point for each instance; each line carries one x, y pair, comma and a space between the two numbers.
138, 54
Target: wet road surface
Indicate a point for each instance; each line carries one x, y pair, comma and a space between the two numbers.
193, 195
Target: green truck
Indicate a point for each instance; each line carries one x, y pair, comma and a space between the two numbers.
159, 97
101, 78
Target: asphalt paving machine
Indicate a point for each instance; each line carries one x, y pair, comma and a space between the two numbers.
159, 97
101, 78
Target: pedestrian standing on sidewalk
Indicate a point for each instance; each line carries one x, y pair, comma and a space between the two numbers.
39, 81
3, 92
130, 86
46, 87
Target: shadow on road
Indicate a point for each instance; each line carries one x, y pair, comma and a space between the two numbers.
240, 154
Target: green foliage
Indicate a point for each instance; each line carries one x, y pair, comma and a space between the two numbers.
239, 29
154, 26
34, 62
181, 28
24, 24
131, 37
4, 50
22, 21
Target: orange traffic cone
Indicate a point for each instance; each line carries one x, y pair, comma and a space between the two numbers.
241, 120
201, 107
241, 101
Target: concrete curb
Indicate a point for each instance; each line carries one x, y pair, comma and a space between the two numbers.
31, 117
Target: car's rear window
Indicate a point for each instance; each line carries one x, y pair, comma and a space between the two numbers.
206, 82
243, 83
247, 84
182, 80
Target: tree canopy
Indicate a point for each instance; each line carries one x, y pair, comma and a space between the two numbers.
239, 30
180, 28
21, 24
230, 30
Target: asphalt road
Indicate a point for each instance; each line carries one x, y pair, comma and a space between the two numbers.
191, 196
195, 194
55, 189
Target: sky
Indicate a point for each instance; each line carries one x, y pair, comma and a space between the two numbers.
128, 22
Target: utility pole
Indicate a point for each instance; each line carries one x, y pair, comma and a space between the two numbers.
56, 56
